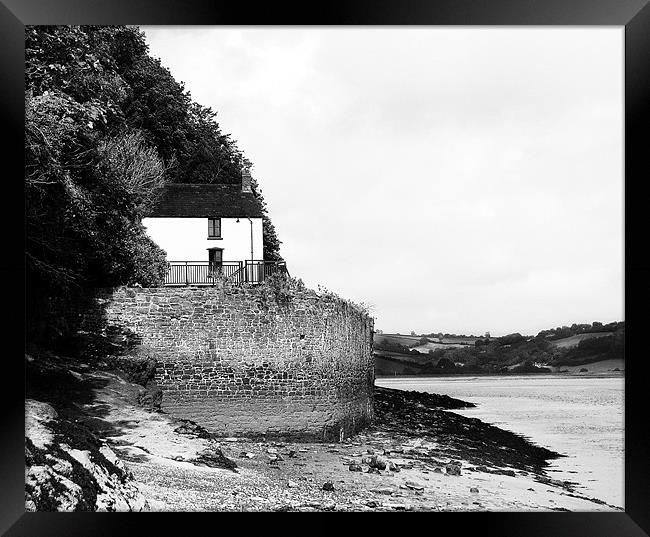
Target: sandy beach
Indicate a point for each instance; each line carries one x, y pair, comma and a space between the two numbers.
297, 482
416, 456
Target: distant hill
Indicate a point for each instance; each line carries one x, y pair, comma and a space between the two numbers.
551, 350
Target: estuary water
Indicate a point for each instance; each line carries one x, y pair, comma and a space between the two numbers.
580, 417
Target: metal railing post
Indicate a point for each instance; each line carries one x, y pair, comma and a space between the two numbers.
187, 281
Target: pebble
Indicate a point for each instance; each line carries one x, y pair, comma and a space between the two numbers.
473, 489
396, 506
376, 461
453, 469
328, 485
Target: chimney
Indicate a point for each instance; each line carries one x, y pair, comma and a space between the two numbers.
246, 179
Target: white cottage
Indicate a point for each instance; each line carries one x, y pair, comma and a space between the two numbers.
209, 230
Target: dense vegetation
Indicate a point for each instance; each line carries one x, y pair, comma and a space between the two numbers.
106, 126
575, 329
515, 353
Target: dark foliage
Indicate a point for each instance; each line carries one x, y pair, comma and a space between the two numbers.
567, 331
511, 339
445, 363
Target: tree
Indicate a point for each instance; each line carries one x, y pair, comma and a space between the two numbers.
271, 243
445, 363
128, 161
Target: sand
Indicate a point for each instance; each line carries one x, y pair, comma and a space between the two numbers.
179, 467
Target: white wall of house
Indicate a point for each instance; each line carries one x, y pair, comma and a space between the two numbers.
186, 239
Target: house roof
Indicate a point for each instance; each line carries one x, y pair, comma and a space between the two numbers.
205, 201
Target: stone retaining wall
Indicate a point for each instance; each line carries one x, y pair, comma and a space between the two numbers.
253, 360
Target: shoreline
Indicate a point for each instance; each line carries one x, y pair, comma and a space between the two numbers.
598, 369
468, 376
582, 419
416, 456
463, 464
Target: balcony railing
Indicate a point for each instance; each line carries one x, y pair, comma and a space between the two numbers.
207, 273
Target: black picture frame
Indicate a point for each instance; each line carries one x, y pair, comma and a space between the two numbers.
633, 15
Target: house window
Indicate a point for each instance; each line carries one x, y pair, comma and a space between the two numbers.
214, 228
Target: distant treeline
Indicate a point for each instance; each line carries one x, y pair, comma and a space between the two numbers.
551, 333
567, 331
440, 335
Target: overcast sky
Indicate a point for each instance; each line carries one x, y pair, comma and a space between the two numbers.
459, 180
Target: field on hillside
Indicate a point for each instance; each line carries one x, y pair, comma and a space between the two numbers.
396, 338
433, 346
415, 359
412, 340
573, 341
458, 340
387, 367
